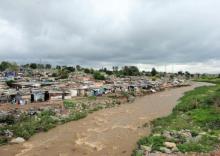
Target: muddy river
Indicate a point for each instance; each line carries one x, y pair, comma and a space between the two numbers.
109, 132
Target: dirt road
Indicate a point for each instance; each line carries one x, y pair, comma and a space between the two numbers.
109, 132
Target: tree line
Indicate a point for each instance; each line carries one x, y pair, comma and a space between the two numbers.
63, 71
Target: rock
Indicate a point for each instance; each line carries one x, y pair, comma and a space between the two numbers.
146, 148
186, 134
165, 150
153, 90
8, 133
167, 135
170, 144
17, 140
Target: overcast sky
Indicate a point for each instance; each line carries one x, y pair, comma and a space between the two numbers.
181, 34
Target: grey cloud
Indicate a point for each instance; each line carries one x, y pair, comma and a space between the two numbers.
97, 32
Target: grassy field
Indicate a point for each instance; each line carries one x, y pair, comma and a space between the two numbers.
193, 126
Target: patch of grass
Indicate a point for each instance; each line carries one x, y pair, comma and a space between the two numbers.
193, 99
69, 104
208, 118
197, 111
74, 116
172, 122
207, 143
153, 141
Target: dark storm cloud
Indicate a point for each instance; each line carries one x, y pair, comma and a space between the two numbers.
93, 32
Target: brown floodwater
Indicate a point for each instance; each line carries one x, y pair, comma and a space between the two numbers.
108, 132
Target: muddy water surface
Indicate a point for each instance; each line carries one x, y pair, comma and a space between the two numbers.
109, 132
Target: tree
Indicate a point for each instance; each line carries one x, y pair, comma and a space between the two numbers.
87, 71
153, 72
70, 69
8, 66
26, 65
58, 67
115, 68
98, 76
180, 73
63, 74
33, 65
54, 74
40, 66
13, 67
92, 71
106, 71
109, 72
4, 65
78, 67
130, 71
48, 66
187, 74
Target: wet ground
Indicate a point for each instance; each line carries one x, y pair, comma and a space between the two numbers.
109, 132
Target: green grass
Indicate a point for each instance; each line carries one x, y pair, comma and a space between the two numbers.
197, 111
75, 116
155, 142
206, 144
69, 104
27, 126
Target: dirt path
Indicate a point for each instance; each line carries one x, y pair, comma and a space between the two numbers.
109, 132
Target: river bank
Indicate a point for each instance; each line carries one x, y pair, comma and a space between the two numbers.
192, 128
104, 132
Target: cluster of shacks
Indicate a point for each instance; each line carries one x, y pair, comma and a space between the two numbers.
30, 90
